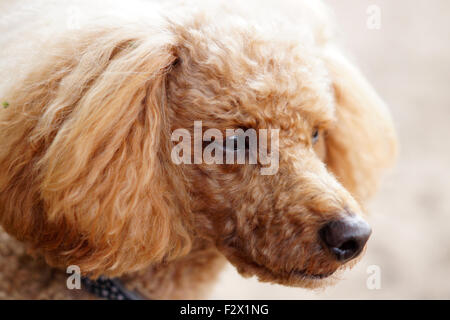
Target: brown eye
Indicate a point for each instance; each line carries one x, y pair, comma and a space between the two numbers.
231, 143
315, 136
235, 143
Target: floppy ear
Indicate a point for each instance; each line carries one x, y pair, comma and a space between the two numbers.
363, 141
84, 148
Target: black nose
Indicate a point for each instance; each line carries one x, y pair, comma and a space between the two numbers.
346, 237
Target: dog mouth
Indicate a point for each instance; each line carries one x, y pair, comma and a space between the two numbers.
315, 276
299, 277
296, 275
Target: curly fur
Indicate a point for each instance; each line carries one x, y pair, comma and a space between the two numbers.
85, 150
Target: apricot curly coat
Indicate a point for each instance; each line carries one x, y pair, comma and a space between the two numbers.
85, 146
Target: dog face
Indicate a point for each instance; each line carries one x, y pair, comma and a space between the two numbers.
94, 183
269, 225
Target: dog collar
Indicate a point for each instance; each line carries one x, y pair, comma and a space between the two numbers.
109, 289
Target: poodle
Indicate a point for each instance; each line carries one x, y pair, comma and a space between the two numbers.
92, 92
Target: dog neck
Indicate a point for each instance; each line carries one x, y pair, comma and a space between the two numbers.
188, 277
109, 289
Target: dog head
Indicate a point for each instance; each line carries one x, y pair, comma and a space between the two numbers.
90, 178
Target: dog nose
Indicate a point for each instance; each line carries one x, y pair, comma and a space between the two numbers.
346, 237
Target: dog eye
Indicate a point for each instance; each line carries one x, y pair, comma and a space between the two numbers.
315, 136
235, 143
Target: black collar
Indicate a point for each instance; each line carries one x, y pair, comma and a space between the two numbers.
109, 289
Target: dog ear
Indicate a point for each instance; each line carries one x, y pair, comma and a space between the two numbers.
363, 141
84, 146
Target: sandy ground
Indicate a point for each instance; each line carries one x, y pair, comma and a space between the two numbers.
408, 62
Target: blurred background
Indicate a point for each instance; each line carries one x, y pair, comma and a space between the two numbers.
407, 60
